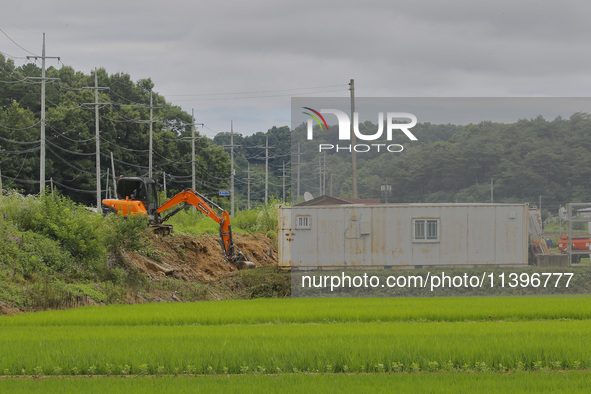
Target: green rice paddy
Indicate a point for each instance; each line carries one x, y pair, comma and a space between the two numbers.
304, 342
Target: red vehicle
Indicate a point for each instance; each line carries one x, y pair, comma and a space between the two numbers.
579, 243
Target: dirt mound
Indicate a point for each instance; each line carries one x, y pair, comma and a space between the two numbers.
6, 309
198, 258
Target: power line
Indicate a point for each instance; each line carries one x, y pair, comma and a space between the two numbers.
255, 92
16, 43
70, 151
12, 57
18, 142
19, 152
266, 96
20, 129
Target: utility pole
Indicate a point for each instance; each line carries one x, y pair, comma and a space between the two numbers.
248, 172
42, 157
266, 169
322, 172
324, 176
193, 150
232, 170
283, 176
353, 139
164, 181
42, 139
267, 147
150, 147
298, 182
320, 191
97, 137
107, 184
114, 175
97, 143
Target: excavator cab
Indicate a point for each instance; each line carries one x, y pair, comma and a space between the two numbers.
135, 195
140, 189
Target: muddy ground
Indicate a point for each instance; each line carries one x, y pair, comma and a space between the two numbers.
198, 258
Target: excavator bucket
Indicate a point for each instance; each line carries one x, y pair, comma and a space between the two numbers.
240, 261
162, 229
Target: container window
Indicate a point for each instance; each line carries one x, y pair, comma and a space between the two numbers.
426, 230
303, 222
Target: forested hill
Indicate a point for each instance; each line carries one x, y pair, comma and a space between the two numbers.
70, 133
524, 160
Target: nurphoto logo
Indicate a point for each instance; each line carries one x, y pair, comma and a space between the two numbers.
345, 130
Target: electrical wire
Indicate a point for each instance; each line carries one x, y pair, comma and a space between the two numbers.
70, 151
68, 163
29, 181
257, 97
16, 43
12, 57
19, 142
50, 126
21, 129
122, 147
19, 152
255, 92
74, 189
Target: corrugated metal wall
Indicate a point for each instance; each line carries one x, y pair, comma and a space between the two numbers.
383, 235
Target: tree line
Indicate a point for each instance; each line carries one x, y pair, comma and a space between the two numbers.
524, 160
70, 133
451, 163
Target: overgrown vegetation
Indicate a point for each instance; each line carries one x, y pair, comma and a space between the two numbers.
261, 219
54, 252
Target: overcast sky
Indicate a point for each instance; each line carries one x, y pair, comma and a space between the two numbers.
244, 60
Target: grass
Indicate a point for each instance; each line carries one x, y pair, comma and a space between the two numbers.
54, 253
257, 220
303, 311
335, 347
550, 382
303, 345
303, 335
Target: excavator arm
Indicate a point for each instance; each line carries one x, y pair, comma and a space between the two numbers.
202, 203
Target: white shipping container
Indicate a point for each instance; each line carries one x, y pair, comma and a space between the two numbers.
403, 235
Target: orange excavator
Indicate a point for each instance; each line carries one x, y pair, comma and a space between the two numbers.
138, 196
